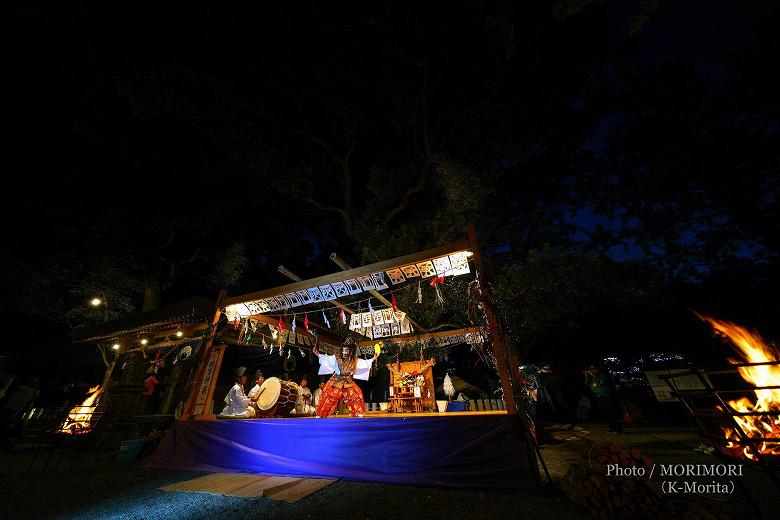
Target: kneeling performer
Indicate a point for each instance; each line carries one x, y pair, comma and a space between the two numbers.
237, 404
341, 385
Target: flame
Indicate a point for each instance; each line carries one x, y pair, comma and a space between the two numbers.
79, 418
753, 349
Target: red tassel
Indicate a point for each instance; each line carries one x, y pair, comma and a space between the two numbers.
235, 324
306, 322
343, 316
394, 303
280, 325
437, 281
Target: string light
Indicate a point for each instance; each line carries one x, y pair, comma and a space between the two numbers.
115, 346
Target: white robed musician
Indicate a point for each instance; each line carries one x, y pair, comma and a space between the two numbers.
254, 393
237, 404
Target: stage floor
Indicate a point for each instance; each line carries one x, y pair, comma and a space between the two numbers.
375, 415
451, 449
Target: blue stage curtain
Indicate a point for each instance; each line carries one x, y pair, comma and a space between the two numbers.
457, 451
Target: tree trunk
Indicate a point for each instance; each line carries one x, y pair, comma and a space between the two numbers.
152, 295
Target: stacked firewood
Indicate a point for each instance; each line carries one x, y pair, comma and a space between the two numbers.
628, 496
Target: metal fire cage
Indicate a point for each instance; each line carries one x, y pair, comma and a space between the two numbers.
709, 406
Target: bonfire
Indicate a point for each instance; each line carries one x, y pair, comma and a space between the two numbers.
79, 420
763, 372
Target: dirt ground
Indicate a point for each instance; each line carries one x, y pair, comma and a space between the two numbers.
100, 487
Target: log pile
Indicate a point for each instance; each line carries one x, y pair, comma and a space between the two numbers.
612, 496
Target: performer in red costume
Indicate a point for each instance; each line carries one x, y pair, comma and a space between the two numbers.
341, 384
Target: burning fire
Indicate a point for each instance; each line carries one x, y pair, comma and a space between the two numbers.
754, 350
79, 418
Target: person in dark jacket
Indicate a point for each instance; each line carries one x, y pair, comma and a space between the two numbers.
602, 390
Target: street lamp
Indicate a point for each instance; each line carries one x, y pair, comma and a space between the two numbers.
96, 301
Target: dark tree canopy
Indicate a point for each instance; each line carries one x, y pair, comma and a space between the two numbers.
167, 150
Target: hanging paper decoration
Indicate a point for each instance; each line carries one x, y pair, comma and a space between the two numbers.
306, 321
340, 288
370, 309
419, 293
293, 326
300, 351
272, 349
325, 318
394, 303
343, 316
280, 325
265, 345
356, 322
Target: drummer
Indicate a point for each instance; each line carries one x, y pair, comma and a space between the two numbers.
303, 403
237, 404
254, 393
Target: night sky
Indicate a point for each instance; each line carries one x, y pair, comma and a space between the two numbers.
180, 148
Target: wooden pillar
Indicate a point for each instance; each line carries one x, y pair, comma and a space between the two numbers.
171, 388
507, 361
205, 392
203, 359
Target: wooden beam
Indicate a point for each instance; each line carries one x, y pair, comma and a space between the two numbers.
292, 276
346, 267
421, 337
366, 270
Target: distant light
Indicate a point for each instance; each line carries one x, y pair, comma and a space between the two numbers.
179, 334
96, 301
144, 341
115, 346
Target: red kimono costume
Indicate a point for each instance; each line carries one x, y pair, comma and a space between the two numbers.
341, 385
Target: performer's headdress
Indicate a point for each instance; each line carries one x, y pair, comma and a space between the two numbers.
349, 343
